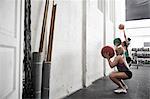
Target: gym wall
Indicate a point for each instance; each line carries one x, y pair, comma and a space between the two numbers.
95, 34
109, 28
66, 68
119, 17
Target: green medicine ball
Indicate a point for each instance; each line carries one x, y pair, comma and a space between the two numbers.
117, 41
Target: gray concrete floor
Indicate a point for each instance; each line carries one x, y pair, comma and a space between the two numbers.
139, 87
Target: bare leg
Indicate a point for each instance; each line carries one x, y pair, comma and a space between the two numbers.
123, 83
116, 78
116, 81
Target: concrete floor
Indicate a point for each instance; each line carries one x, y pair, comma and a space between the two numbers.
139, 87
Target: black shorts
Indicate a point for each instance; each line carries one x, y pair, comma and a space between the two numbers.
129, 74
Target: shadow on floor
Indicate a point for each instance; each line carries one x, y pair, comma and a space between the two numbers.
139, 87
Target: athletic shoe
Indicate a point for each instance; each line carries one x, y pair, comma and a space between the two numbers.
120, 90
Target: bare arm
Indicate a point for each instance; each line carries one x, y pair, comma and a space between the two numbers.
125, 62
125, 35
113, 63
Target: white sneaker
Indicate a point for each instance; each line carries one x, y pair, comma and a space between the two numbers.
120, 90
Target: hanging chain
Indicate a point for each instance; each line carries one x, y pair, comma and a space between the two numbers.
27, 80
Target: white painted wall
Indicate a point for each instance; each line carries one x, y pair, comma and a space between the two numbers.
109, 41
37, 9
119, 17
66, 70
95, 32
109, 29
